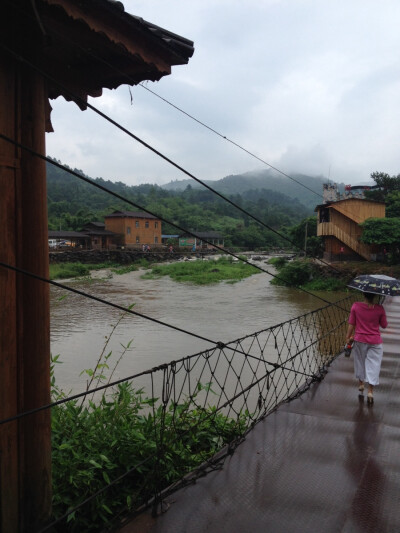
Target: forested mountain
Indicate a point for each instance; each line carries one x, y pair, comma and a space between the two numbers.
308, 190
72, 203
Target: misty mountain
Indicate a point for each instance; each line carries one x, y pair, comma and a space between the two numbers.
306, 189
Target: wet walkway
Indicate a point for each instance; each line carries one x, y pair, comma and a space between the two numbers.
326, 462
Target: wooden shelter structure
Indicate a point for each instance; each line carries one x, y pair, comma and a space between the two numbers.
198, 242
338, 222
48, 48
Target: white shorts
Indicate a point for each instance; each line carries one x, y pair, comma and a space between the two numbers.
367, 361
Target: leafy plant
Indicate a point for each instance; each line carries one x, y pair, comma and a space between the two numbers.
203, 272
95, 444
293, 274
278, 262
130, 444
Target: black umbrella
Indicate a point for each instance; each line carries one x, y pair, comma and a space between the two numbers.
377, 284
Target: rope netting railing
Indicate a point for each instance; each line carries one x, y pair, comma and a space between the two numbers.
171, 424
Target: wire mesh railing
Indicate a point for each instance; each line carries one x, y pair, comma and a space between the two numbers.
147, 436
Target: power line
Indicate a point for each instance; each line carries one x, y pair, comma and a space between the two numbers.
252, 154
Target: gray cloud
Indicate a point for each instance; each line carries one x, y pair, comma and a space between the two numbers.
303, 84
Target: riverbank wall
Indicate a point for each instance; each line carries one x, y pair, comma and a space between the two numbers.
120, 256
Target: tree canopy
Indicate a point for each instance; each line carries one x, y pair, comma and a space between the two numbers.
384, 231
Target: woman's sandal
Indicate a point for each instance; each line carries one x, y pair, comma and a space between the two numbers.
370, 397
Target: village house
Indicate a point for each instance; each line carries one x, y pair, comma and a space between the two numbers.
99, 237
198, 242
93, 236
134, 228
338, 222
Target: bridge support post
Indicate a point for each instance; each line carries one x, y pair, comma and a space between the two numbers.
25, 445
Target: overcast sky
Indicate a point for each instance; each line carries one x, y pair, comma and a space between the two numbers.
310, 86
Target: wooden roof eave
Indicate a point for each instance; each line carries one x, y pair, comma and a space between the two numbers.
124, 30
121, 49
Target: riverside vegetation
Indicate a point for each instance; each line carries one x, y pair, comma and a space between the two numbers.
307, 275
203, 272
76, 269
199, 272
96, 442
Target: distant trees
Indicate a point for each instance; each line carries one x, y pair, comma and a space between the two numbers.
388, 192
304, 235
383, 231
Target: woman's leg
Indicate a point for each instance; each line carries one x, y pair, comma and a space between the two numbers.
359, 354
373, 364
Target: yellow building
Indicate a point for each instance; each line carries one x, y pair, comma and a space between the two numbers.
134, 228
338, 224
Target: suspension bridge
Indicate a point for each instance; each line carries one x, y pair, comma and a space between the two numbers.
321, 461
281, 450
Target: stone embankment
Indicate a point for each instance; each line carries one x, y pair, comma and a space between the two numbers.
118, 256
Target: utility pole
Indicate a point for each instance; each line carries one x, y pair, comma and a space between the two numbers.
305, 239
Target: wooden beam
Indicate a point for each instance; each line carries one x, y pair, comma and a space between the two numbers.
25, 458
8, 305
33, 307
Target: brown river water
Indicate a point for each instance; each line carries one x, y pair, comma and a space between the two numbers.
223, 312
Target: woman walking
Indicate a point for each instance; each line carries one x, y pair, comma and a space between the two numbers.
364, 322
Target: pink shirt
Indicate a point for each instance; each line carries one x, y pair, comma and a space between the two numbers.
367, 321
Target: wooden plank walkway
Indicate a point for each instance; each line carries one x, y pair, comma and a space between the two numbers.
325, 462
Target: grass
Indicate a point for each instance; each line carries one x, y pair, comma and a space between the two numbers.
69, 270
203, 272
325, 284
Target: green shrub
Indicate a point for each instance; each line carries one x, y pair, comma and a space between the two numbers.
68, 270
293, 274
325, 284
94, 444
278, 262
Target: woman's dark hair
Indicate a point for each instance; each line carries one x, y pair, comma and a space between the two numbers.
369, 296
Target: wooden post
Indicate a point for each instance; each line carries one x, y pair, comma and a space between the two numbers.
25, 458
8, 305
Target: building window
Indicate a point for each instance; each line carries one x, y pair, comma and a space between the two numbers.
156, 224
146, 224
137, 239
155, 240
137, 223
128, 230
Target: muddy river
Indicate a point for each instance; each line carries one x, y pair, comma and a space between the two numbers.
224, 312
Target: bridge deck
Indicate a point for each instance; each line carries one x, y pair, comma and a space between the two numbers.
324, 462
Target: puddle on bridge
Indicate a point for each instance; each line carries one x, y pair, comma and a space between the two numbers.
222, 312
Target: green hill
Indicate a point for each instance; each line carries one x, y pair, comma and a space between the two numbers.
72, 203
